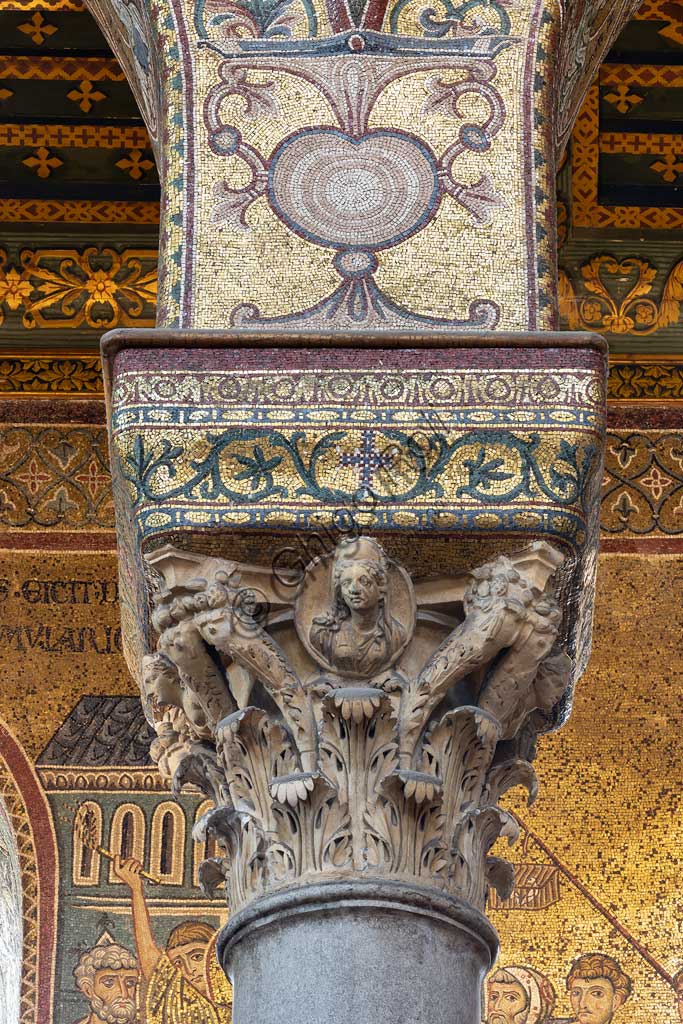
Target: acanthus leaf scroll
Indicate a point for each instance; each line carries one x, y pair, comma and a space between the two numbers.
335, 736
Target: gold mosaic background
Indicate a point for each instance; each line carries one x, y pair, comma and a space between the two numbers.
44, 597
610, 801
610, 804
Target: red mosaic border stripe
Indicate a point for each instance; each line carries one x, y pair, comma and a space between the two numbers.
47, 865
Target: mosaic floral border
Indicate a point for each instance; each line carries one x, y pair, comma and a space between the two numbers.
95, 287
642, 488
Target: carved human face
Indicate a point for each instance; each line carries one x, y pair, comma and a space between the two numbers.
111, 994
594, 1000
160, 680
507, 1003
189, 959
359, 588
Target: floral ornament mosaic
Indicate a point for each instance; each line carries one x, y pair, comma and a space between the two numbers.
608, 307
642, 489
59, 478
385, 186
52, 476
379, 165
225, 22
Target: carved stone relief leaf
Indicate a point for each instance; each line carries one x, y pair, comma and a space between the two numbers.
356, 776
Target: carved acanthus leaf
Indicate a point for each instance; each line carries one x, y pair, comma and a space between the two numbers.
354, 764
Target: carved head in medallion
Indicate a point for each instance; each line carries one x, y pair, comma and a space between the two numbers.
369, 611
359, 579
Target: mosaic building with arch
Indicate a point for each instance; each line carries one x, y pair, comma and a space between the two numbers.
98, 763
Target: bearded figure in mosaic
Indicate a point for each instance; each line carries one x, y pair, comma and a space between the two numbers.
107, 976
519, 995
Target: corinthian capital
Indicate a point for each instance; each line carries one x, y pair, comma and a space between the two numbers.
357, 732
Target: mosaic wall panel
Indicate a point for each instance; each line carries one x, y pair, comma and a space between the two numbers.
608, 788
449, 109
54, 472
55, 476
642, 491
597, 865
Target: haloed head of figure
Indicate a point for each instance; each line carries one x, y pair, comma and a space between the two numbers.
186, 949
107, 975
508, 1002
519, 995
597, 987
678, 990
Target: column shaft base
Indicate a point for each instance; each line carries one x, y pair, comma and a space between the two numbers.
357, 953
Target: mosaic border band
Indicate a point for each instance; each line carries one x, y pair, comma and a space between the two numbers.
656, 378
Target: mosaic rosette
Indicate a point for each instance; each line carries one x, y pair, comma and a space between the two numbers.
216, 448
381, 188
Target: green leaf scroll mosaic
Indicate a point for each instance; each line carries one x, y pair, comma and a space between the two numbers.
386, 469
642, 486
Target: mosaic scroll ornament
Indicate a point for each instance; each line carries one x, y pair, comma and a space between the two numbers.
355, 189
273, 25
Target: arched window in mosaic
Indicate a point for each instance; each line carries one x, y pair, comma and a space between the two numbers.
87, 836
127, 835
207, 848
11, 928
167, 852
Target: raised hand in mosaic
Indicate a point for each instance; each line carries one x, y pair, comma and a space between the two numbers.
180, 982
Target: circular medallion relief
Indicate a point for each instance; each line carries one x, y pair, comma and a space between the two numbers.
365, 193
355, 613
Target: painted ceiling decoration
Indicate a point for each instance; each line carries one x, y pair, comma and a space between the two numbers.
77, 165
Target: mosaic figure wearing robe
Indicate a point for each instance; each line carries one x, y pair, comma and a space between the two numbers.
182, 984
